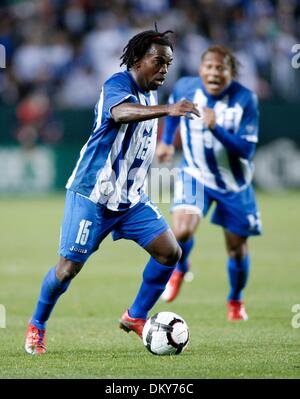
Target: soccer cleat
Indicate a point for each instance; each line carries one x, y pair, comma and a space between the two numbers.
35, 343
128, 324
236, 310
173, 286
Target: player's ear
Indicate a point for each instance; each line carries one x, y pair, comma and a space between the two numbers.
137, 65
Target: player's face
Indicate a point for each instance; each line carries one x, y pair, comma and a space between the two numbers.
215, 72
153, 67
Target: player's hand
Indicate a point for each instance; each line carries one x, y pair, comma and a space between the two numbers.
209, 117
184, 108
164, 152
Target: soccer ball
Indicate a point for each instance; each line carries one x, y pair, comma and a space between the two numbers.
165, 333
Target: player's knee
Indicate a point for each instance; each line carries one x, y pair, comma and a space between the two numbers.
66, 270
237, 252
184, 236
183, 233
171, 256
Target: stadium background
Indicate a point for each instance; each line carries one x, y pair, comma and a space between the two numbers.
58, 53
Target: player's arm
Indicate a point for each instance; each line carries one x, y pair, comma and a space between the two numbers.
165, 148
130, 112
243, 143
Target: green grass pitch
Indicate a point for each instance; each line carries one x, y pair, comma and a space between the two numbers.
83, 337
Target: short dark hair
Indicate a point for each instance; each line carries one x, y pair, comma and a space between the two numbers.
226, 52
138, 46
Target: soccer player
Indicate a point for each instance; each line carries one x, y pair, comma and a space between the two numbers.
216, 167
105, 191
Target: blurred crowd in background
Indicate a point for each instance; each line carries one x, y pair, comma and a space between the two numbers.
59, 52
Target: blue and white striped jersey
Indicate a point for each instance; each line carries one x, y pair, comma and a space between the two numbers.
204, 156
113, 164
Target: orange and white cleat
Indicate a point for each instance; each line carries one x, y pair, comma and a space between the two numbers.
35, 343
128, 324
173, 286
236, 310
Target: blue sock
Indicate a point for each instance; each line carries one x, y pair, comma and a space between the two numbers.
155, 278
238, 272
183, 264
51, 290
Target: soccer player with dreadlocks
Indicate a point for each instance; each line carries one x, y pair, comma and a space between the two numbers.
105, 191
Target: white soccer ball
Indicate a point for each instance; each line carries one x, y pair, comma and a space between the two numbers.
165, 333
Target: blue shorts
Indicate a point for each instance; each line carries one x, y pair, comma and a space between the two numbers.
236, 212
86, 224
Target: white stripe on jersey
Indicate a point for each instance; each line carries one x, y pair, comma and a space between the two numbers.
251, 139
197, 144
201, 101
99, 110
187, 153
221, 155
129, 158
202, 172
120, 193
100, 188
142, 172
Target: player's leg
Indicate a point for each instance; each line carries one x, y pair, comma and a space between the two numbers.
191, 203
237, 214
165, 253
238, 265
145, 225
55, 283
79, 238
185, 223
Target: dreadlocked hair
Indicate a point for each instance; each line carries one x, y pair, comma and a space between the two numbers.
138, 46
226, 53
